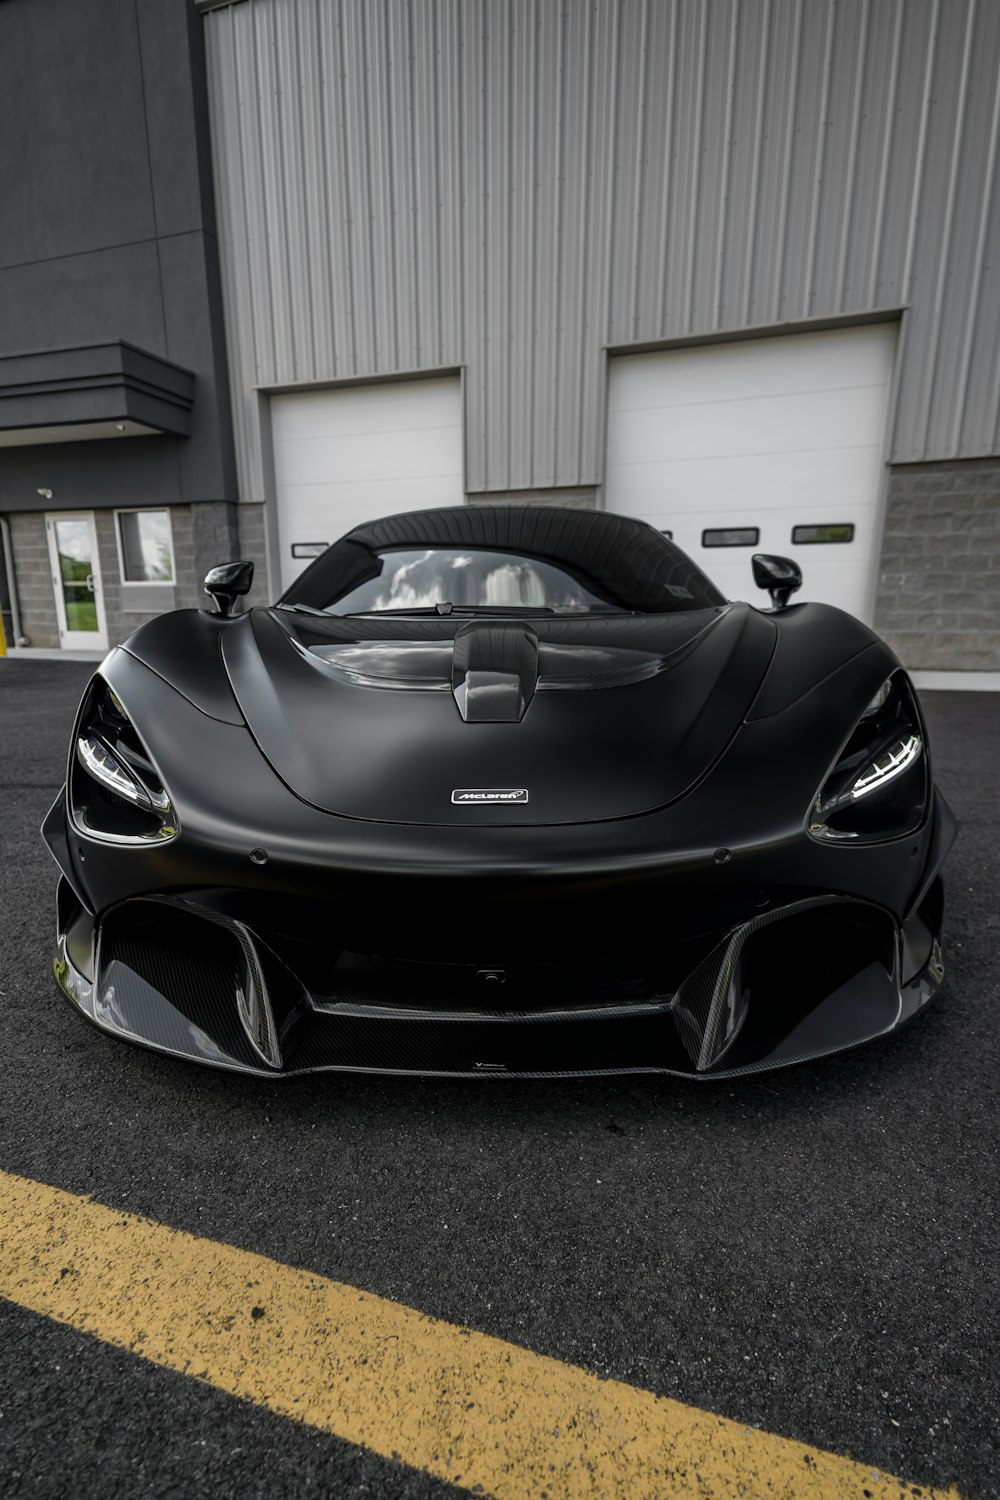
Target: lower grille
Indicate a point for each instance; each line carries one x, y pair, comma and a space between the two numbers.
364, 979
799, 981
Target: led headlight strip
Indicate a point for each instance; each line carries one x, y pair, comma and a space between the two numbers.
105, 767
886, 767
881, 757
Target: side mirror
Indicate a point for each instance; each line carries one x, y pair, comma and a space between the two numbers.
227, 582
779, 575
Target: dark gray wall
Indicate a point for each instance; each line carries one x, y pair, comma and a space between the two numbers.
108, 232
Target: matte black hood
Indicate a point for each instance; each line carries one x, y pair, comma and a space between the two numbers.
604, 717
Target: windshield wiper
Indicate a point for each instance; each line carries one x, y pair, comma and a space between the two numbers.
447, 608
304, 609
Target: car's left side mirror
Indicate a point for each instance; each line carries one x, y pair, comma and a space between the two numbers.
779, 575
227, 583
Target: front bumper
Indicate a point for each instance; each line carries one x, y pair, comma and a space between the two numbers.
186, 977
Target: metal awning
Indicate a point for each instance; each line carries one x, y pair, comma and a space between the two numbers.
97, 390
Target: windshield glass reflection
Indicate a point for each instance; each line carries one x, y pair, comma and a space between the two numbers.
468, 577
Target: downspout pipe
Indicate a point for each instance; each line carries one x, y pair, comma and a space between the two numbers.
15, 607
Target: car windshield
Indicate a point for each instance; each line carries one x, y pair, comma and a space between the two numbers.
503, 558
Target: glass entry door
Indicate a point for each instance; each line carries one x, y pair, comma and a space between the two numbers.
76, 579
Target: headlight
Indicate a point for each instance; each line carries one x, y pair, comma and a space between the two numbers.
879, 787
115, 789
879, 701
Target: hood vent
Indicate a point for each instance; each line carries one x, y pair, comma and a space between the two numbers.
364, 717
494, 671
429, 666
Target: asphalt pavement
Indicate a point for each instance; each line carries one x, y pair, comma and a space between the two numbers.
812, 1251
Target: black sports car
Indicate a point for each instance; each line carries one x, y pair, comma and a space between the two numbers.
500, 790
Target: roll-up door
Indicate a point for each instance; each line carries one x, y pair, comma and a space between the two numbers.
759, 445
348, 454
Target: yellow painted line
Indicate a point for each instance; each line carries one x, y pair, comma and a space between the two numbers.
466, 1407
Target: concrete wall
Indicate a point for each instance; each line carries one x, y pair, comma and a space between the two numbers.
252, 546
939, 584
223, 533
34, 579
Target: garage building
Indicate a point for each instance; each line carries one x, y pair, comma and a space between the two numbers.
729, 265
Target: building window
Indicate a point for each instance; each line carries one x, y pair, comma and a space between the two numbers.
808, 535
731, 536
145, 546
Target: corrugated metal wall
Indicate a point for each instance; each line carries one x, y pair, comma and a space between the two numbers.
514, 185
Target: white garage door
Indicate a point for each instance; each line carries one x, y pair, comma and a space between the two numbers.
765, 445
352, 453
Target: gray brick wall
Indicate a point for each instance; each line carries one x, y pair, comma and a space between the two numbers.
938, 601
33, 572
34, 579
203, 535
215, 534
252, 546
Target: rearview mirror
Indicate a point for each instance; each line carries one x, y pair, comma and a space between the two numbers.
227, 582
779, 575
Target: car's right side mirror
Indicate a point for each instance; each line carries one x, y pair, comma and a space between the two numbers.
779, 575
227, 582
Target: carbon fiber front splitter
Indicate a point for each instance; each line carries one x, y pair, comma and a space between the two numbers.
803, 980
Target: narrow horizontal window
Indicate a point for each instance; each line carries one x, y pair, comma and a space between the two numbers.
804, 536
731, 536
309, 549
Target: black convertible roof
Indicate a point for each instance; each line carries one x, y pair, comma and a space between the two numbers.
631, 556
